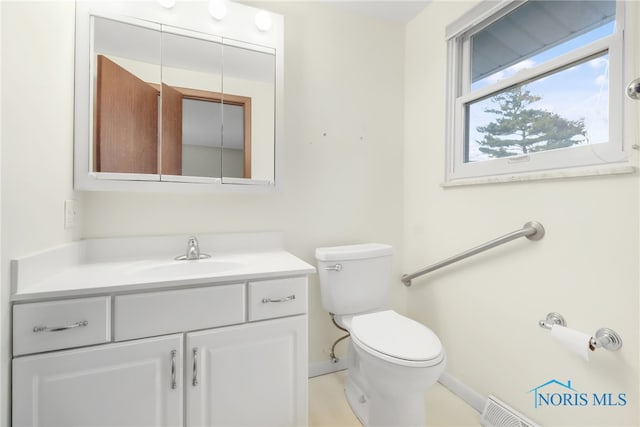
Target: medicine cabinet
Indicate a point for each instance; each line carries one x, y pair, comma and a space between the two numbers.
175, 100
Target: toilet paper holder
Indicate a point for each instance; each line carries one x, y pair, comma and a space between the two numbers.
603, 338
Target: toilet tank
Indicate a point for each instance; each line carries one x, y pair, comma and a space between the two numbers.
355, 278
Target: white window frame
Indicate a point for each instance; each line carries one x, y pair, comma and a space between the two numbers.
610, 157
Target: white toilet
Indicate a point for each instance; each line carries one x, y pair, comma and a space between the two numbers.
392, 360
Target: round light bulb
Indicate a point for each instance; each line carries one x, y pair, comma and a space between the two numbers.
263, 20
217, 9
167, 3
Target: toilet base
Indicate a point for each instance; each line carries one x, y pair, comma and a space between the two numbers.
403, 412
378, 411
397, 400
358, 400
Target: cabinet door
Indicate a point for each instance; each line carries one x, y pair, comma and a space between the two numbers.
249, 375
137, 383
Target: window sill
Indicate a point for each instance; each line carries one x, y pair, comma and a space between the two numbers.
538, 176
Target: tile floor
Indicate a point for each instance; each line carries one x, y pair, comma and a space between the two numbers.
328, 405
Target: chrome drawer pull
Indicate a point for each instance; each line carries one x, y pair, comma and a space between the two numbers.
173, 369
285, 299
194, 381
60, 328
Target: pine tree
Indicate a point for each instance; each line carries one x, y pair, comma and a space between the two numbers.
520, 130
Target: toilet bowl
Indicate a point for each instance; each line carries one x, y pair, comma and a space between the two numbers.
392, 360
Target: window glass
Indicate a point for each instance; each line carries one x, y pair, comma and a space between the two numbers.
593, 35
563, 109
536, 32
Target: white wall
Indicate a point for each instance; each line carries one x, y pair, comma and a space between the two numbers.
343, 149
486, 309
37, 140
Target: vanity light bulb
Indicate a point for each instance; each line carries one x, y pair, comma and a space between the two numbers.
167, 3
217, 9
263, 20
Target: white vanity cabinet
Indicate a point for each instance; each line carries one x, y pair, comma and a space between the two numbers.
136, 383
248, 375
205, 355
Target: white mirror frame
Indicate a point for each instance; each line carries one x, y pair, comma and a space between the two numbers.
239, 25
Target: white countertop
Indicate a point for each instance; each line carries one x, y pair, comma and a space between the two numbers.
122, 265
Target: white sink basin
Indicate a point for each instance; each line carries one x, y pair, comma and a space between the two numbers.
170, 269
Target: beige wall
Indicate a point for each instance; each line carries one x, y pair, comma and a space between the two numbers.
486, 309
343, 149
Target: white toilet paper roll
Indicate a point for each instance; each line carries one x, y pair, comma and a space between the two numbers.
573, 340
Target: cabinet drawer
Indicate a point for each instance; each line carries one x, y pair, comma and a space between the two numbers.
157, 313
55, 325
277, 298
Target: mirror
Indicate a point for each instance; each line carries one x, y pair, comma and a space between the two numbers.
192, 115
174, 105
249, 74
125, 136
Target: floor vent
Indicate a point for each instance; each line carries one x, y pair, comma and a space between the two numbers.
499, 414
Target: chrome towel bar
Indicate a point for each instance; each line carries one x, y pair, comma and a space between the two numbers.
532, 230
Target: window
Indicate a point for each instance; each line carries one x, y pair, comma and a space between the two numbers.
528, 88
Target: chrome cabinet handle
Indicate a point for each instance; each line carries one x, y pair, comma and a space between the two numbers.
195, 367
60, 328
173, 369
285, 299
337, 267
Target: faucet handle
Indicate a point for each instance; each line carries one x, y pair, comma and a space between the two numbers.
193, 248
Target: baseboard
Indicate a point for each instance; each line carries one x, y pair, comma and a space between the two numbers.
326, 367
464, 392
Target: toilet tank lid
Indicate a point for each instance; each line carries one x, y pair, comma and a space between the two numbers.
348, 252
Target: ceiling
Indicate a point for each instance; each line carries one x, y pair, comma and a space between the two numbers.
394, 11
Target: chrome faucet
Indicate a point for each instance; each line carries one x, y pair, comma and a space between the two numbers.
193, 248
193, 251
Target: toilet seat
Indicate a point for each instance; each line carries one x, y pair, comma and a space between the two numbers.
396, 339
